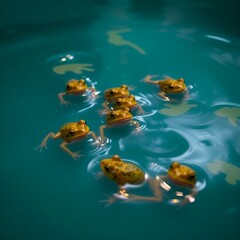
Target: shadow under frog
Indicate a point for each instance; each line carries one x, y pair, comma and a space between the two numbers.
124, 173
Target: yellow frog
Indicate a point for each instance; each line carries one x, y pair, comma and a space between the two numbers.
121, 103
168, 86
129, 102
122, 172
70, 132
179, 174
112, 94
75, 87
118, 117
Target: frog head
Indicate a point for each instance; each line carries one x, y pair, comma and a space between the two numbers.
113, 93
182, 174
170, 85
129, 102
74, 86
74, 130
118, 117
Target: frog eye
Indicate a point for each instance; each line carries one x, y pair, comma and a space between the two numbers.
71, 133
106, 168
112, 92
68, 87
192, 176
118, 102
112, 115
174, 165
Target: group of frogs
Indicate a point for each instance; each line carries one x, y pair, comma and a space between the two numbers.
117, 106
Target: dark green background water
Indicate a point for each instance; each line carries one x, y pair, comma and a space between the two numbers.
48, 195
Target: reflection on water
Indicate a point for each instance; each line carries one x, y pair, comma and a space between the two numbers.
231, 113
231, 171
115, 38
176, 109
73, 67
76, 62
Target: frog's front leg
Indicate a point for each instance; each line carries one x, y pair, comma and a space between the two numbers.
103, 111
74, 155
106, 106
94, 136
44, 141
101, 130
163, 96
61, 99
93, 92
137, 126
154, 186
120, 195
140, 109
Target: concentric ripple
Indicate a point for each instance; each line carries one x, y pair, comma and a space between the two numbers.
160, 142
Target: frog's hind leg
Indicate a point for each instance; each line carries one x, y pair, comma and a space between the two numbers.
163, 96
61, 98
154, 185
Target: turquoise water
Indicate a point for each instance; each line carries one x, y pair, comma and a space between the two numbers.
49, 195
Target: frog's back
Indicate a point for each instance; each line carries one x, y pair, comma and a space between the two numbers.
131, 174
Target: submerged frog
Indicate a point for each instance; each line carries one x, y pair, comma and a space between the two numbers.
70, 132
118, 117
179, 174
168, 86
75, 87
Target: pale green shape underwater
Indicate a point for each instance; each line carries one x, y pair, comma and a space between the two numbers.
176, 109
232, 172
231, 113
116, 39
77, 68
